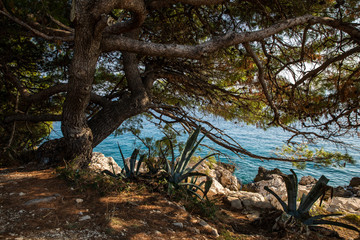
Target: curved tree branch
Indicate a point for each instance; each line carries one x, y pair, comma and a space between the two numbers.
33, 118
68, 35
261, 79
48, 92
137, 7
114, 43
316, 71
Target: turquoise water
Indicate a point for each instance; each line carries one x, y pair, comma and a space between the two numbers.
255, 140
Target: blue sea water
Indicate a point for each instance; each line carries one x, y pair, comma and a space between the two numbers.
253, 139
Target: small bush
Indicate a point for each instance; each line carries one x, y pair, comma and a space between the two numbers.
84, 179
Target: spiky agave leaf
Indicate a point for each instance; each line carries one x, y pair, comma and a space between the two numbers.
316, 191
339, 224
189, 170
132, 161
292, 193
123, 158
193, 185
188, 151
309, 221
142, 157
283, 204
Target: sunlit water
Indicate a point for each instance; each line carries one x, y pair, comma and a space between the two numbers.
255, 140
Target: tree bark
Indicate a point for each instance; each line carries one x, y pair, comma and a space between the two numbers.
78, 136
107, 120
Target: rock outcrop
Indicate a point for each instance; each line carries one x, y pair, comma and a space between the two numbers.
256, 197
307, 180
99, 163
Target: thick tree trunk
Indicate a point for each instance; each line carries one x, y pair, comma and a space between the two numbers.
78, 136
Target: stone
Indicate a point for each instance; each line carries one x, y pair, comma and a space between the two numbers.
342, 192
79, 200
264, 174
307, 180
203, 223
84, 218
227, 179
42, 200
22, 194
196, 230
227, 166
178, 224
217, 188
341, 204
236, 203
356, 191
247, 200
100, 163
355, 182
222, 175
214, 232
277, 184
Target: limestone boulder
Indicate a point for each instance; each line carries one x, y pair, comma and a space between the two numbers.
222, 175
99, 163
247, 200
227, 179
217, 188
341, 204
276, 184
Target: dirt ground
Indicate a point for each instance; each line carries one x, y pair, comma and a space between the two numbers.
38, 204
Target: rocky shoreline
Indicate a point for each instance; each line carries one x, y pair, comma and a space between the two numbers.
252, 197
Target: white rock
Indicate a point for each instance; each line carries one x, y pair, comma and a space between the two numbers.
243, 199
203, 223
79, 200
21, 194
43, 200
350, 205
99, 163
217, 188
214, 232
86, 217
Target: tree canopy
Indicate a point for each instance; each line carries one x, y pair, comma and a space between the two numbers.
94, 64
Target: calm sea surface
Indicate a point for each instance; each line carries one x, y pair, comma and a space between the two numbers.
251, 138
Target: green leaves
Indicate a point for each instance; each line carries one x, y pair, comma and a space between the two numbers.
320, 157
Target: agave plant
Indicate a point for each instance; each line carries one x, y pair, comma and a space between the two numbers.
179, 173
302, 211
131, 171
